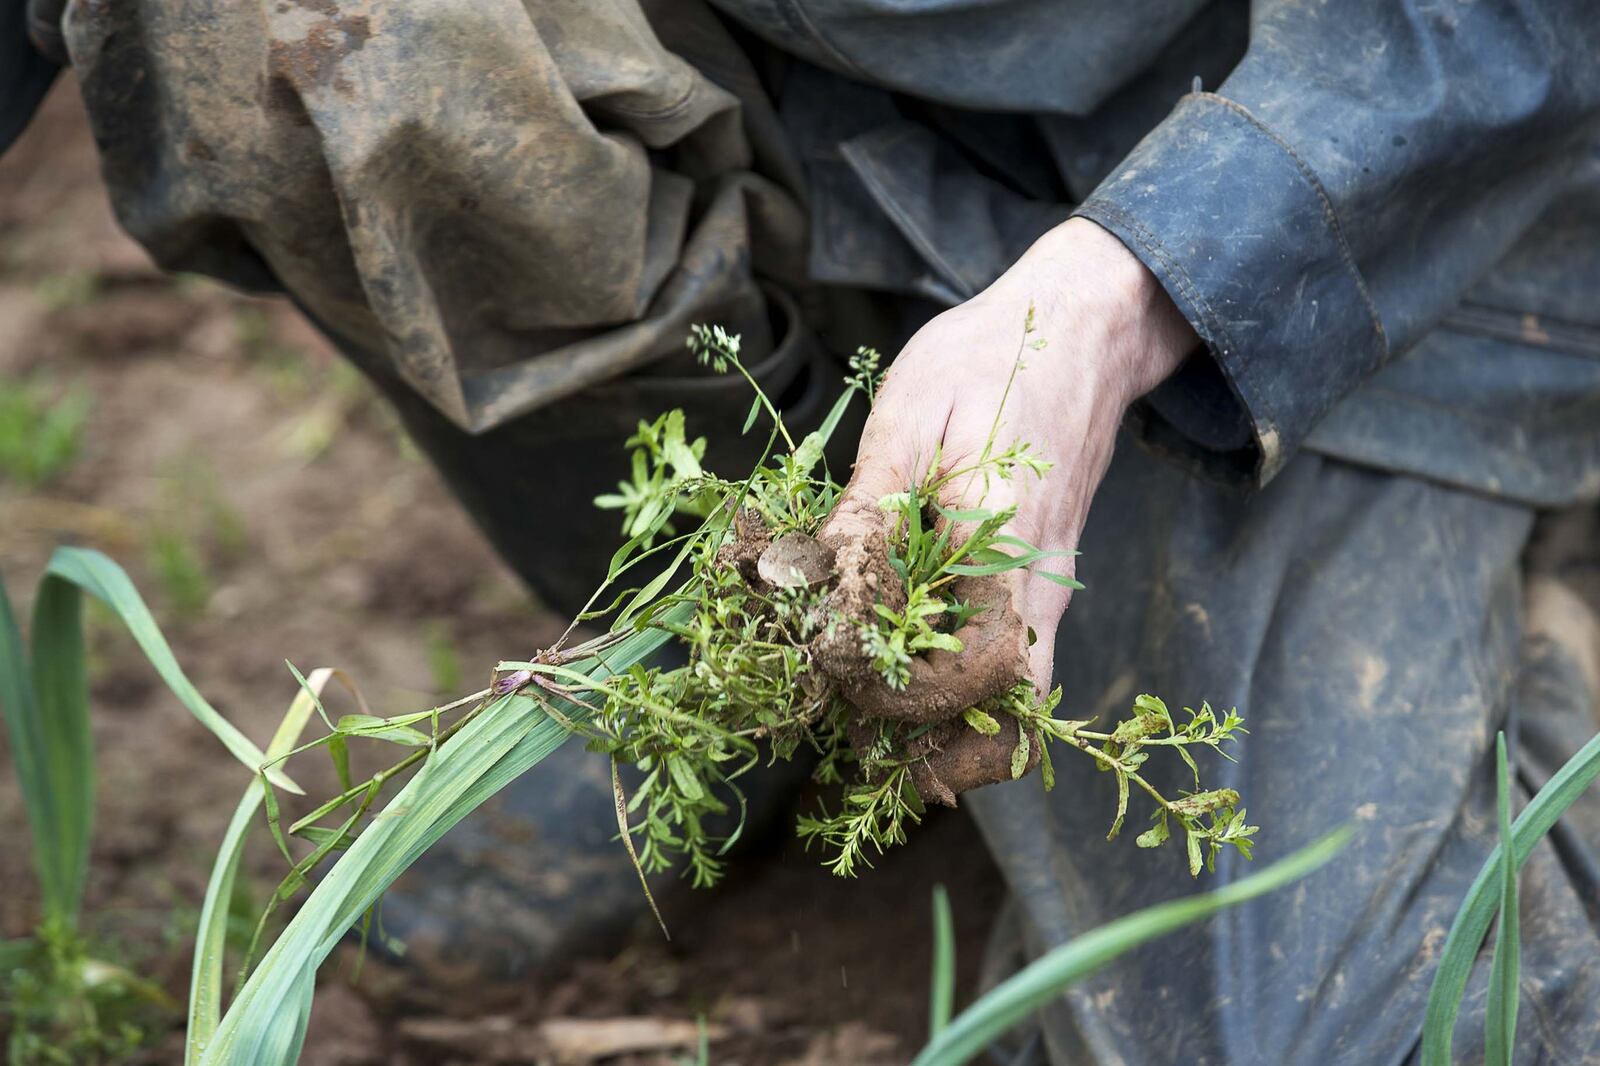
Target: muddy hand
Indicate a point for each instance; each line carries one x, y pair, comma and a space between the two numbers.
1111, 334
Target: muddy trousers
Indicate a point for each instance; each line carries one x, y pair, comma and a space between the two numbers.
1375, 631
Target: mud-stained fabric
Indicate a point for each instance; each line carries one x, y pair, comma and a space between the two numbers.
1384, 221
510, 202
1371, 630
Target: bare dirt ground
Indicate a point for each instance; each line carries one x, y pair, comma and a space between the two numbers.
269, 509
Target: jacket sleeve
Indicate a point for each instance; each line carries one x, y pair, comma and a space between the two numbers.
1365, 163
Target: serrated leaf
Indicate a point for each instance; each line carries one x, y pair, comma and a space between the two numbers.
1156, 835
939, 642
1137, 728
1196, 859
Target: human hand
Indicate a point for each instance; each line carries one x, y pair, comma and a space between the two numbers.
1110, 335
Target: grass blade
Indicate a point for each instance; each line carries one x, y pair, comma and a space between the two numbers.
13, 953
1017, 997
19, 703
1483, 899
205, 982
1500, 1021
206, 974
265, 1025
96, 574
61, 692
943, 993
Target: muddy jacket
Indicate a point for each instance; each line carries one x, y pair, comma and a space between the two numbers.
1382, 217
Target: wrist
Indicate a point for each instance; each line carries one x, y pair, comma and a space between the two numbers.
1090, 292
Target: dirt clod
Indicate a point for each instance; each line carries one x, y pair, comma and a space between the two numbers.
743, 550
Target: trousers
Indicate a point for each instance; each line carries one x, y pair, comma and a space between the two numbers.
1375, 630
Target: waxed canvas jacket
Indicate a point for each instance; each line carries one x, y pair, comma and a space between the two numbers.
1382, 217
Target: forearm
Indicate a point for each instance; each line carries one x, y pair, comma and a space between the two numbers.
1126, 335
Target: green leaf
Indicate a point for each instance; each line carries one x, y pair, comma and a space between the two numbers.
1122, 804
30, 756
970, 514
61, 686
809, 453
1156, 835
1484, 896
938, 642
1145, 703
942, 994
265, 1025
339, 754
15, 953
327, 840
97, 575
1196, 858
1205, 802
645, 597
1041, 980
1194, 768
370, 725
1137, 728
684, 777
1019, 755
981, 721
1500, 1018
205, 980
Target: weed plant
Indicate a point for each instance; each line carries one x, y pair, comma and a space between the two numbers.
755, 602
41, 430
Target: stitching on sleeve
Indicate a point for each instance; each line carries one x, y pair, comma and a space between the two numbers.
1328, 213
1271, 456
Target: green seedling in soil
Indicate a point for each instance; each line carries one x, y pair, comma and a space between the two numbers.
195, 529
175, 562
61, 1001
69, 289
953, 1042
61, 1006
41, 430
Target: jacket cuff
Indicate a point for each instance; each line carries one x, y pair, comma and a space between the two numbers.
1245, 240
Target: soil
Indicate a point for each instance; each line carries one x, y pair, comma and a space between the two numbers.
269, 508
